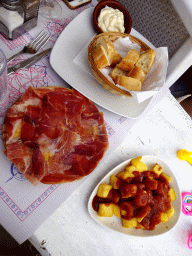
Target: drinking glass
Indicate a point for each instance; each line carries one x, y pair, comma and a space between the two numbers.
49, 9
3, 76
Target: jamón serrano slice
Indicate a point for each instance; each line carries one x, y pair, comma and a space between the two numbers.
54, 135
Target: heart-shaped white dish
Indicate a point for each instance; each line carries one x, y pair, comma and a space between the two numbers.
115, 223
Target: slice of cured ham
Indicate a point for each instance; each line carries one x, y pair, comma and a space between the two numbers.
54, 135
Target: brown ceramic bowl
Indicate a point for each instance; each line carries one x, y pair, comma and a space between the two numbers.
115, 5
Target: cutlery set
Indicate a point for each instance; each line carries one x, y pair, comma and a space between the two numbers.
28, 62
33, 47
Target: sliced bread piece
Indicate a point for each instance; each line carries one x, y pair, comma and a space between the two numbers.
113, 56
117, 72
128, 62
138, 74
145, 60
129, 83
104, 42
100, 57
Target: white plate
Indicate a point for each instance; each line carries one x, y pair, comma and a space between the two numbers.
71, 41
114, 222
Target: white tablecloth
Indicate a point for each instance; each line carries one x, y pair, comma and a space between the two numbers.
71, 230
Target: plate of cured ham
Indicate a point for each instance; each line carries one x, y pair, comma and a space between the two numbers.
54, 135
76, 35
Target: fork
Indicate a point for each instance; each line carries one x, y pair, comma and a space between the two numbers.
35, 45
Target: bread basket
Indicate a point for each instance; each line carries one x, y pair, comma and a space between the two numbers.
102, 79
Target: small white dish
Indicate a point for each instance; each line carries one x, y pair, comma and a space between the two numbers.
70, 43
114, 222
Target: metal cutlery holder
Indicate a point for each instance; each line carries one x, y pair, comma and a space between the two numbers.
17, 17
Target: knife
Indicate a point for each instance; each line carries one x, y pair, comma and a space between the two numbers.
28, 62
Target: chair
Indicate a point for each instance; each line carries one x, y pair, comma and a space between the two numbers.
165, 23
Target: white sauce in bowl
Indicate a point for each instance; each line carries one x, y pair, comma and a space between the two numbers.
111, 20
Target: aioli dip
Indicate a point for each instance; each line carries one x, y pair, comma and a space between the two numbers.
111, 20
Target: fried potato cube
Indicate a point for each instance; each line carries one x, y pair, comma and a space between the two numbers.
105, 210
129, 223
123, 212
165, 176
136, 160
157, 169
172, 194
116, 210
143, 212
128, 190
131, 169
127, 173
103, 190
164, 217
114, 181
115, 196
141, 199
140, 219
124, 175
170, 212
138, 164
141, 167
139, 226
127, 209
151, 183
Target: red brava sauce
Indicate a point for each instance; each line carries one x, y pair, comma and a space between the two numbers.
146, 194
